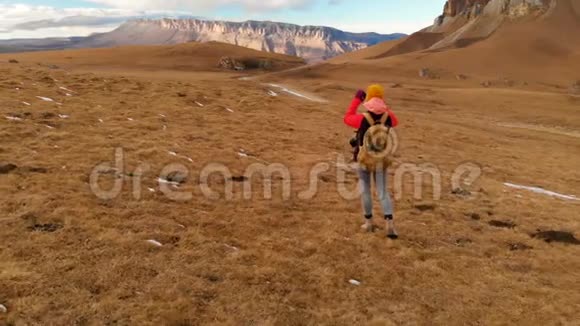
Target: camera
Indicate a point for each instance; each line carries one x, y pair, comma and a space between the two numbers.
353, 142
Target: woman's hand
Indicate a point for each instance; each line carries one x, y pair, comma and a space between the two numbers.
361, 95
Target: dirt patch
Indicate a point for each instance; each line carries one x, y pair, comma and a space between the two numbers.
463, 242
502, 224
575, 88
48, 227
213, 278
239, 178
6, 168
48, 115
30, 169
177, 177
556, 236
518, 246
460, 192
424, 207
474, 216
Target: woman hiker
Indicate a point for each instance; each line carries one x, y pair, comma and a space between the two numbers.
372, 141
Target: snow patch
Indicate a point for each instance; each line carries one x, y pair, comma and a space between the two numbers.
66, 89
292, 92
542, 191
355, 282
244, 154
232, 247
182, 156
163, 181
155, 243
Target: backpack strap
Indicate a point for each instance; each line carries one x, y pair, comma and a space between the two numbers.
385, 118
369, 119
373, 122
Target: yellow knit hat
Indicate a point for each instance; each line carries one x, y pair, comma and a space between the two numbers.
375, 90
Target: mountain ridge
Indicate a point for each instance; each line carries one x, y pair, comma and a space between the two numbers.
313, 43
466, 22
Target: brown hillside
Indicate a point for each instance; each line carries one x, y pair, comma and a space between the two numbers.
189, 56
416, 42
368, 53
68, 257
541, 50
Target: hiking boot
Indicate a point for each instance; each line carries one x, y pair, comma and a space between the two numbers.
368, 226
391, 231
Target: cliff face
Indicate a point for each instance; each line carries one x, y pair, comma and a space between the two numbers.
467, 21
313, 43
471, 9
455, 7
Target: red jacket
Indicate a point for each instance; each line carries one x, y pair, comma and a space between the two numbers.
355, 120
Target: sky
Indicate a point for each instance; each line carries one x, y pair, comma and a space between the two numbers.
50, 18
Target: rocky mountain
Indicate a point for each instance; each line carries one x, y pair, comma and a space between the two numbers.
507, 36
466, 21
313, 43
475, 8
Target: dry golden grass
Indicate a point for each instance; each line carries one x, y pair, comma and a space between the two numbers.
294, 258
189, 57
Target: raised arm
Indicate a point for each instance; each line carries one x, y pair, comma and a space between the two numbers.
352, 118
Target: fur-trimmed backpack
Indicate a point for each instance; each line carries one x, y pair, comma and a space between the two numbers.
374, 151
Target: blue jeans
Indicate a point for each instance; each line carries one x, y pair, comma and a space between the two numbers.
381, 183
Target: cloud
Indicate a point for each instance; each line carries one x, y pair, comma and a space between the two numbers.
204, 5
24, 21
17, 20
72, 21
57, 32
